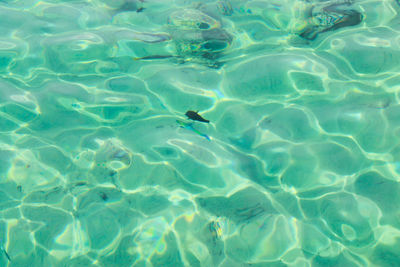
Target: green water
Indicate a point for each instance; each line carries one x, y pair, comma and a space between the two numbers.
299, 165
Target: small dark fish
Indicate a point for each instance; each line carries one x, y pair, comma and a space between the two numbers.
193, 115
140, 9
103, 196
153, 57
80, 183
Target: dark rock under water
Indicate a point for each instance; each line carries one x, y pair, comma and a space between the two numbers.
330, 18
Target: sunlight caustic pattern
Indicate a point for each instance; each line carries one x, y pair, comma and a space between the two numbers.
299, 165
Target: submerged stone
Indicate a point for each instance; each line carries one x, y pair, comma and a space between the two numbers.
329, 18
198, 36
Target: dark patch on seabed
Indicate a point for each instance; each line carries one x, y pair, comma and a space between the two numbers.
330, 18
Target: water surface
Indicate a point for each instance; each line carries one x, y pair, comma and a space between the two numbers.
299, 165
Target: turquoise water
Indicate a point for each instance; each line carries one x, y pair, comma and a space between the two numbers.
299, 165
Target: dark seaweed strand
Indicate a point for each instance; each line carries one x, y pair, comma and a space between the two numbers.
8, 256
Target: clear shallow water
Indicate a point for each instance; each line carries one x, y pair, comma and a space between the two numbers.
299, 165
